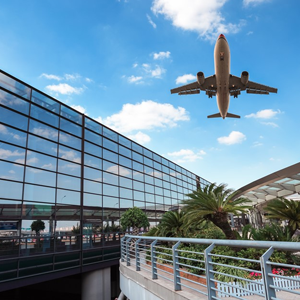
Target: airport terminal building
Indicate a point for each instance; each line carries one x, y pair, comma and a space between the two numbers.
61, 170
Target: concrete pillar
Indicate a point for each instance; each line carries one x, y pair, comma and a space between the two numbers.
96, 285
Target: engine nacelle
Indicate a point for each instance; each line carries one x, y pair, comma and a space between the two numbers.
244, 77
200, 78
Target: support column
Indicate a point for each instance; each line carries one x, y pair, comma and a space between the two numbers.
96, 285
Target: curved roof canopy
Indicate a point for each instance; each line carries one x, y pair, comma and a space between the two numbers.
282, 183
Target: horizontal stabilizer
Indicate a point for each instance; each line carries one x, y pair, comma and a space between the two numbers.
229, 115
218, 115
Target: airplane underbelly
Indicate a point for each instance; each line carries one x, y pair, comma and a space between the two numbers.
223, 101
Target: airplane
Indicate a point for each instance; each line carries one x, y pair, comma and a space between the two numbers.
223, 84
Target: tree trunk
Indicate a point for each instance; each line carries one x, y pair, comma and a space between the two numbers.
220, 219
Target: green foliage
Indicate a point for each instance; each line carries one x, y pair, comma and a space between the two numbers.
210, 232
134, 217
37, 226
76, 230
231, 271
172, 224
285, 209
214, 203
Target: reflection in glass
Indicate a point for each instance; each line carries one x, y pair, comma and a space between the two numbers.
12, 153
14, 136
110, 178
124, 151
92, 161
137, 157
125, 193
67, 197
92, 187
138, 167
138, 196
42, 145
68, 182
110, 190
93, 174
110, 134
139, 204
41, 161
93, 137
138, 176
137, 147
111, 202
138, 186
93, 125
69, 154
149, 188
45, 101
13, 118
125, 161
108, 155
125, 182
10, 209
125, 203
125, 172
11, 171
44, 115
10, 189
124, 141
149, 197
14, 102
69, 140
69, 168
43, 130
92, 149
92, 200
71, 114
148, 162
39, 193
110, 145
38, 176
70, 127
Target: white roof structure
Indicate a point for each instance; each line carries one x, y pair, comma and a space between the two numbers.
283, 183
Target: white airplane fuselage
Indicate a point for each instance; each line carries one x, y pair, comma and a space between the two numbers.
222, 71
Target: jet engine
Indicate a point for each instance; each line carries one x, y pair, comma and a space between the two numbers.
244, 77
200, 78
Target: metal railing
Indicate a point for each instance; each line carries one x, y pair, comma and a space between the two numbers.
210, 273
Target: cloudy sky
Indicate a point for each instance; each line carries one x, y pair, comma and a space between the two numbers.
116, 61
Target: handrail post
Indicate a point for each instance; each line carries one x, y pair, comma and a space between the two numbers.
122, 248
128, 252
268, 280
153, 260
137, 256
209, 275
177, 285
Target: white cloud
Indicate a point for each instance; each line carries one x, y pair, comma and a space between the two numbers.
72, 76
203, 17
135, 79
254, 2
140, 138
187, 155
151, 22
65, 89
135, 65
145, 115
8, 153
161, 55
257, 144
264, 114
157, 72
51, 77
89, 80
185, 78
272, 124
79, 108
235, 137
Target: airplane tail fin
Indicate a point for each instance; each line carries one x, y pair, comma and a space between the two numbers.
218, 115
229, 115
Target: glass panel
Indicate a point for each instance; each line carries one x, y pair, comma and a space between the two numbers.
69, 140
157, 166
124, 203
148, 171
137, 166
39, 193
149, 188
157, 157
110, 178
14, 86
139, 204
165, 161
43, 115
167, 185
93, 174
110, 190
68, 182
148, 162
92, 187
138, 196
93, 149
14, 102
13, 118
125, 161
38, 176
110, 145
10, 189
126, 193
69, 154
110, 167
45, 101
167, 193
93, 137
158, 190
69, 168
42, 145
125, 172
110, 202
43, 130
138, 186
92, 200
92, 161
138, 176
110, 156
150, 197
67, 197
12, 153
11, 171
70, 127
147, 153
158, 182
71, 114
124, 151
93, 125
10, 209
110, 134
40, 161
124, 141
149, 179
137, 148
125, 182
14, 136
137, 157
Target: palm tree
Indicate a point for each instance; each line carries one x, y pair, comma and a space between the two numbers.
286, 210
172, 224
214, 203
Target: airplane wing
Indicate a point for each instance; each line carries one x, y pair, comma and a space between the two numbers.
209, 86
251, 87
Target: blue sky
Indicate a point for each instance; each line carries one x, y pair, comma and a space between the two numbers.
116, 61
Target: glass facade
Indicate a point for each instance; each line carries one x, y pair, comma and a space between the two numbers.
76, 176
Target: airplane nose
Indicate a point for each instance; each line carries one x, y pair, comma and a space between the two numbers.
222, 36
